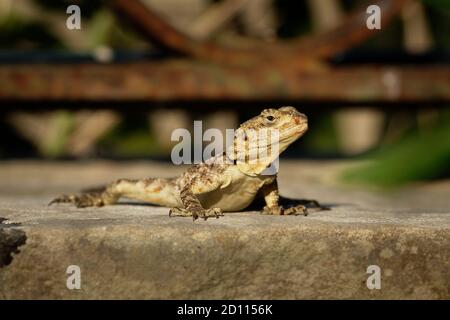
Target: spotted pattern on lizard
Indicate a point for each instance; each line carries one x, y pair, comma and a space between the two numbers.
224, 183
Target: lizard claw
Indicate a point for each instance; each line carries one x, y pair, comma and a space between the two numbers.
296, 210
63, 199
195, 214
290, 211
217, 212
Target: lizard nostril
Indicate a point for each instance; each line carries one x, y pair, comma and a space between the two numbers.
301, 118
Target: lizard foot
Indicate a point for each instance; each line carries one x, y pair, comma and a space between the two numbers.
310, 204
195, 214
290, 211
296, 210
80, 201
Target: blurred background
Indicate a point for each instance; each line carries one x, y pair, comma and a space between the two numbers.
136, 70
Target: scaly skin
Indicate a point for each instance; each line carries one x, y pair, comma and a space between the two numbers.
222, 183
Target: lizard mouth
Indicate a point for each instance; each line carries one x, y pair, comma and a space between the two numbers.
303, 128
293, 133
301, 124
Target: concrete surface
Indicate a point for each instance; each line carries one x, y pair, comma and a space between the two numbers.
136, 251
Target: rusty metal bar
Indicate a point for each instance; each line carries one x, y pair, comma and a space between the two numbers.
351, 32
185, 80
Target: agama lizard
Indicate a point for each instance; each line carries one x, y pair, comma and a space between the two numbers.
221, 183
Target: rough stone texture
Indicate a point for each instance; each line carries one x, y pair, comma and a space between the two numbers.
136, 251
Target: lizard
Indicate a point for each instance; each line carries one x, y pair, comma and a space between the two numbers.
222, 183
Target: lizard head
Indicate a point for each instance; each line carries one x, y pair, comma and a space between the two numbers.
260, 140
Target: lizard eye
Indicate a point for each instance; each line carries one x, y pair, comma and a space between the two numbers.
270, 118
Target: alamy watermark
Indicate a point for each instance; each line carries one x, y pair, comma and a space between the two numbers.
374, 19
374, 280
247, 147
73, 22
73, 281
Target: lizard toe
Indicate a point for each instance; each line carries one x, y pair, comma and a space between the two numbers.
63, 199
212, 212
181, 212
296, 211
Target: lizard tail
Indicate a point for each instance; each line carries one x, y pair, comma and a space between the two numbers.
158, 191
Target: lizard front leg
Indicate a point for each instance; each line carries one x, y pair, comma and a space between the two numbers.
191, 204
272, 197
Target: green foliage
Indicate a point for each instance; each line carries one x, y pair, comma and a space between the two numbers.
439, 4
321, 137
131, 138
54, 145
105, 29
100, 28
421, 156
138, 143
20, 33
